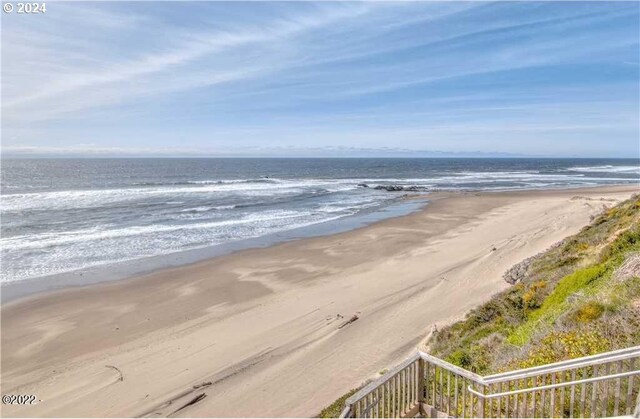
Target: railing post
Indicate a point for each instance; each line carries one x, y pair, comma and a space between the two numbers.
481, 402
421, 384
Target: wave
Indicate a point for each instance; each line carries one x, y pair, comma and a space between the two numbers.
205, 208
606, 169
73, 253
44, 240
98, 198
287, 189
208, 182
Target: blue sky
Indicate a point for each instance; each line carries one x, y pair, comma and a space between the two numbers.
329, 78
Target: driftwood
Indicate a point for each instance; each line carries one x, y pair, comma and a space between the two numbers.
205, 384
117, 369
348, 322
176, 398
191, 402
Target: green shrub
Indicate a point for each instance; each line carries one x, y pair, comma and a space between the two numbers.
588, 312
534, 296
461, 358
334, 410
554, 304
560, 346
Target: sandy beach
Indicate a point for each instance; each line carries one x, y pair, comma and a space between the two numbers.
258, 331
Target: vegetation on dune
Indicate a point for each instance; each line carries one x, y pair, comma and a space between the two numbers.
334, 410
579, 298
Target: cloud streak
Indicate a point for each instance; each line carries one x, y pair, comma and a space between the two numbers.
504, 76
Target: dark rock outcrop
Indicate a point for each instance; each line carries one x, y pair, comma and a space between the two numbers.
400, 188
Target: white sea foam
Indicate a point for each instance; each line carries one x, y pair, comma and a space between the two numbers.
204, 209
100, 197
65, 255
607, 169
39, 241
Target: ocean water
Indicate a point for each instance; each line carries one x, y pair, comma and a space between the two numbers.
65, 215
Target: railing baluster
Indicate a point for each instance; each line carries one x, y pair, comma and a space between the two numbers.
543, 397
552, 407
573, 393
594, 391
481, 402
399, 391
583, 412
412, 381
410, 388
407, 394
629, 409
448, 393
562, 406
415, 384
516, 386
604, 404
441, 404
499, 402
407, 379
407, 386
433, 401
532, 397
384, 404
539, 405
405, 390
616, 402
464, 397
507, 400
392, 408
455, 395
422, 385
427, 386
371, 405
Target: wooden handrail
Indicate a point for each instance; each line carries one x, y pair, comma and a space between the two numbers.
591, 360
552, 386
422, 380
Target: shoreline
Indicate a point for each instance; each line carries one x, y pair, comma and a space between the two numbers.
128, 269
15, 291
265, 321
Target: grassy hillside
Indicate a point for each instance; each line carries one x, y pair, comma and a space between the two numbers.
579, 298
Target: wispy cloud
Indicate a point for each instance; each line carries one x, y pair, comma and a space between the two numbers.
424, 75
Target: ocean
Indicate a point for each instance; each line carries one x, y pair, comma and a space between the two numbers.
62, 216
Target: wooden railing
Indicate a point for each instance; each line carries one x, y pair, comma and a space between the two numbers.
602, 385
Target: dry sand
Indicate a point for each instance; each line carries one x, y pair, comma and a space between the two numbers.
262, 325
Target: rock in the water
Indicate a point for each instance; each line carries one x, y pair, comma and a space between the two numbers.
363, 185
390, 188
400, 188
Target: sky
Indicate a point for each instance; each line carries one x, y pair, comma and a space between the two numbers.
286, 79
